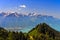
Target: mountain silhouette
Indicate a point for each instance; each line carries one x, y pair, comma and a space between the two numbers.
27, 21
43, 31
40, 32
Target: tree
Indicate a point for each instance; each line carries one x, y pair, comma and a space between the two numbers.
3, 34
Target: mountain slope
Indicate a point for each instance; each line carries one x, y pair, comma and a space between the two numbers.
40, 32
27, 22
44, 32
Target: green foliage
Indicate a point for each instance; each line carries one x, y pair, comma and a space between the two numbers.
40, 32
43, 32
3, 34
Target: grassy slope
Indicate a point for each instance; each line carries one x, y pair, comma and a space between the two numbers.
34, 32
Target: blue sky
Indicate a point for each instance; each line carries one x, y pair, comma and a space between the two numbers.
47, 7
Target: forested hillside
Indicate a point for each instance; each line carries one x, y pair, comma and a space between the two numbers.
41, 32
44, 32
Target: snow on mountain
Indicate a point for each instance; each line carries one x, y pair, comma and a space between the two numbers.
19, 14
26, 22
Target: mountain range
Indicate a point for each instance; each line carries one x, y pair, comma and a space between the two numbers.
25, 22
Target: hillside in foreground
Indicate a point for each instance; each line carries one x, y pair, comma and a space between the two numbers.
40, 32
44, 32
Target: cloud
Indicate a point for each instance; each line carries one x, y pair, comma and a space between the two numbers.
17, 9
33, 19
22, 6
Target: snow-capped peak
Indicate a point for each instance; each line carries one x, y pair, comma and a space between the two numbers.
21, 14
